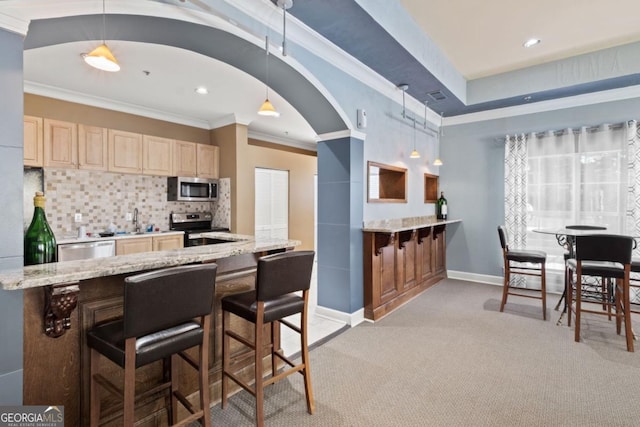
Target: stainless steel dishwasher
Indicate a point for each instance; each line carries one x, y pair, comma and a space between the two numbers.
86, 250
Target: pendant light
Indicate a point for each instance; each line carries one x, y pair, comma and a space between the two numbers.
267, 108
437, 161
284, 4
414, 154
101, 57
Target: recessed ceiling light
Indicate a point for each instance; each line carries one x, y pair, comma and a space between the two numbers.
531, 42
202, 90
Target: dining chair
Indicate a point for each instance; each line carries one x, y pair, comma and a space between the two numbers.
522, 262
568, 255
607, 256
280, 278
165, 313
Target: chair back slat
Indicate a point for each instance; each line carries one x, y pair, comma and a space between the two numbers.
164, 298
604, 247
504, 239
283, 273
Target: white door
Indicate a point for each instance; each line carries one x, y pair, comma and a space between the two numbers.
271, 203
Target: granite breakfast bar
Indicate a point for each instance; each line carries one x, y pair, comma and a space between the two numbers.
83, 293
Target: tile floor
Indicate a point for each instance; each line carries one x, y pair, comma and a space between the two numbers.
319, 327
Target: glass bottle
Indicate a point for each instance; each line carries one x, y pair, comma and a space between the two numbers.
39, 241
442, 207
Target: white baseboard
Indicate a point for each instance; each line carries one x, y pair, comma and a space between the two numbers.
474, 277
352, 319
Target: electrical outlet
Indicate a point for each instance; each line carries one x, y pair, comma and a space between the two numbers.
77, 217
128, 216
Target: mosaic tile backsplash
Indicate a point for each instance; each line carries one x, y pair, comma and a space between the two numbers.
104, 198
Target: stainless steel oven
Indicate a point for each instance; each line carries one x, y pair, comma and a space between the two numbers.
194, 224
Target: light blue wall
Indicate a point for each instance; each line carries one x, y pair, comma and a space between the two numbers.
11, 130
473, 176
340, 191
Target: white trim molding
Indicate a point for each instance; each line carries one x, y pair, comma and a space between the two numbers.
474, 277
342, 134
352, 319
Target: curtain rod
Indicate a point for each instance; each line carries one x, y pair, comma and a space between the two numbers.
574, 130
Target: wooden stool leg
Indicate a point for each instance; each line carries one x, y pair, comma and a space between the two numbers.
203, 372
618, 296
275, 347
259, 345
544, 292
175, 387
129, 382
225, 358
578, 304
505, 286
94, 392
628, 331
568, 295
311, 405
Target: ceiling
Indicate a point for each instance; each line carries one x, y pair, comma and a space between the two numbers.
479, 39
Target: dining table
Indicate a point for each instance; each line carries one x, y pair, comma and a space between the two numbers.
566, 237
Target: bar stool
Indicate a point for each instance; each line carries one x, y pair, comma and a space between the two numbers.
157, 324
606, 256
279, 278
528, 263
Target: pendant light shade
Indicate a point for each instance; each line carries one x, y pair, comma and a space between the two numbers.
102, 59
267, 109
437, 162
414, 154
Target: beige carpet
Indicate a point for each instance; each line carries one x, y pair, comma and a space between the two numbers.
449, 358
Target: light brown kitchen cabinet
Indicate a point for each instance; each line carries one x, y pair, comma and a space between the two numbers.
208, 160
165, 243
134, 245
60, 144
33, 142
125, 151
93, 148
184, 158
157, 155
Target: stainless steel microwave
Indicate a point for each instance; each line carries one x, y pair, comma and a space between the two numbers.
189, 189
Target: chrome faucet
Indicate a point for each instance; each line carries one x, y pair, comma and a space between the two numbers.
135, 220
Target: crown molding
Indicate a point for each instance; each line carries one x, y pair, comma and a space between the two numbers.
619, 94
342, 134
14, 24
95, 101
282, 141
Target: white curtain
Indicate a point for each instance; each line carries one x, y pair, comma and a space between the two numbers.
515, 189
580, 177
633, 194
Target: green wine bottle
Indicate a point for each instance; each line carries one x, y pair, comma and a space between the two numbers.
39, 241
442, 207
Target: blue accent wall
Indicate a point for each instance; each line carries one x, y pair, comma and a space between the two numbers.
11, 146
340, 212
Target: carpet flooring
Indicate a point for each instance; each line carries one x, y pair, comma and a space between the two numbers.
450, 358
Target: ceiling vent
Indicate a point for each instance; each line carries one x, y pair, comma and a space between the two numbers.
437, 95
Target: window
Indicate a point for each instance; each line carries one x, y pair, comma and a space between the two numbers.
575, 178
271, 203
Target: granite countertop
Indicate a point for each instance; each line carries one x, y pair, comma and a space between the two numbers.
72, 239
56, 273
402, 224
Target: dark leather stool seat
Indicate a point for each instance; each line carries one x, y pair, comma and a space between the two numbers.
279, 279
158, 324
530, 263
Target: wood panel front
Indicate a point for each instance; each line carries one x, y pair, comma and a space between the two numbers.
399, 266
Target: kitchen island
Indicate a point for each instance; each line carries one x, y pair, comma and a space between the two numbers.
402, 258
56, 370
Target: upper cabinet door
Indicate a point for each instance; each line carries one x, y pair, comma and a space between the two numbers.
208, 159
92, 148
157, 154
33, 141
60, 144
125, 151
184, 158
